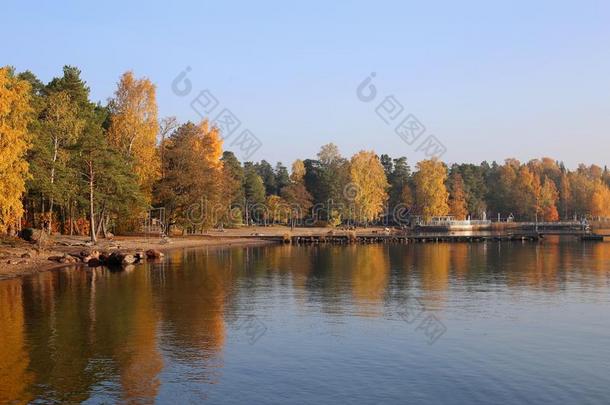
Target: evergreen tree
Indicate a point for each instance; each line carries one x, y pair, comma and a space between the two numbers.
109, 189
265, 171
282, 177
254, 188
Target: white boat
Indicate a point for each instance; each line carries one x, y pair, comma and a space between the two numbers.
448, 223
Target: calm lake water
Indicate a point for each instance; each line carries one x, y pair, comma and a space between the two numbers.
430, 323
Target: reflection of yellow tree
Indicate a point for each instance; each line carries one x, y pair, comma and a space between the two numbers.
140, 357
433, 263
14, 359
460, 253
194, 296
370, 271
294, 262
543, 271
600, 261
534, 266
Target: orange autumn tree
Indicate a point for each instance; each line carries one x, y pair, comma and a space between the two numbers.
133, 127
14, 142
457, 197
193, 189
431, 195
548, 201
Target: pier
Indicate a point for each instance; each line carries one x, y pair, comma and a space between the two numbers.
371, 238
498, 232
405, 239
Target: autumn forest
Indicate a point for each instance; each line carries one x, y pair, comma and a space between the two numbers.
77, 167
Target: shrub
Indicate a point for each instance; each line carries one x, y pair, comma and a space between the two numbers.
26, 234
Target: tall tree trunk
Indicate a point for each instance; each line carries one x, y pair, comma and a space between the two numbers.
71, 219
50, 215
105, 222
42, 211
91, 208
246, 212
100, 220
55, 150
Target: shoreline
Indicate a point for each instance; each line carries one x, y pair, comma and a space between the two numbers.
13, 264
19, 258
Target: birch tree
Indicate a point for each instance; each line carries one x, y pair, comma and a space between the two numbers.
134, 127
14, 142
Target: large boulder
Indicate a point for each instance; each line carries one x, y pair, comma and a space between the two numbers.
154, 254
94, 263
87, 255
65, 259
119, 259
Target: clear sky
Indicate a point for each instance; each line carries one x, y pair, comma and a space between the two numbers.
489, 80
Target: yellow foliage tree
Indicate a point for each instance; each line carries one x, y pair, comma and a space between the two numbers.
431, 195
600, 200
14, 142
369, 186
298, 171
208, 147
526, 193
133, 127
211, 166
277, 209
211, 146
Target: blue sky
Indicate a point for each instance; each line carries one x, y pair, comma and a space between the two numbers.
489, 80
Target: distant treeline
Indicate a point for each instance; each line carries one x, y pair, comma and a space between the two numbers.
72, 166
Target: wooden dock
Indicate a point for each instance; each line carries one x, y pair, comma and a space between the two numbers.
592, 237
415, 238
336, 238
406, 239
